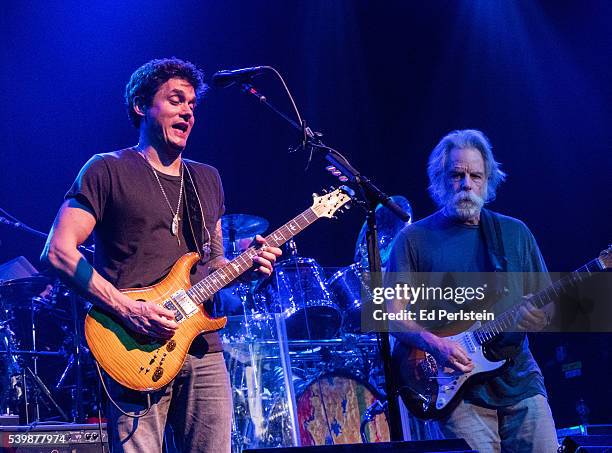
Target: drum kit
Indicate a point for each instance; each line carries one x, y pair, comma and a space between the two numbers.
335, 368
42, 351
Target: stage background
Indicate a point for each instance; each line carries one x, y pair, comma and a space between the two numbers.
382, 81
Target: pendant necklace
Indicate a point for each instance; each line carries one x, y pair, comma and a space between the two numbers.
174, 227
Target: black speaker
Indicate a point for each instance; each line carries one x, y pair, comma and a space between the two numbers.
418, 446
587, 444
70, 438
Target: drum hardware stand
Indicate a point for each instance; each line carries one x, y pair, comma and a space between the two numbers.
45, 390
376, 408
12, 365
75, 362
340, 167
24, 372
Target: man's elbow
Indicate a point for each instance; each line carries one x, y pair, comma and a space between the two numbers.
48, 257
53, 255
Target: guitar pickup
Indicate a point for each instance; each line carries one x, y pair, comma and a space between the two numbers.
184, 303
169, 305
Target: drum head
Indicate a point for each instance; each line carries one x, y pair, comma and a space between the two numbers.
330, 410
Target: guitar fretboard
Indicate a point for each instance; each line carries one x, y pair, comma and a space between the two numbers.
207, 287
507, 320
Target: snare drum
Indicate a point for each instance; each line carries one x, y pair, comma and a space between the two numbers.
348, 286
331, 407
297, 289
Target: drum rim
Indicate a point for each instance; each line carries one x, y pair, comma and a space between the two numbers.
298, 260
289, 312
336, 275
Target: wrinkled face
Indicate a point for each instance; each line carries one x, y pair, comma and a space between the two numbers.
170, 117
466, 184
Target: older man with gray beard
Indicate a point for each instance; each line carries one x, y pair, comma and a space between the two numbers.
507, 412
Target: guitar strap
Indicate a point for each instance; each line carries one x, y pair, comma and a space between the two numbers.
507, 345
199, 232
494, 242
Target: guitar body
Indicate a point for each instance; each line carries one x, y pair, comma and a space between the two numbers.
140, 362
431, 390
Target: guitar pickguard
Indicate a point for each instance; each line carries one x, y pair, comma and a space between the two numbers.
432, 390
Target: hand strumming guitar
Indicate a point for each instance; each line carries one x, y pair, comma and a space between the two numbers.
447, 352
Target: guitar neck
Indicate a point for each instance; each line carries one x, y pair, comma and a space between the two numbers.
226, 274
507, 320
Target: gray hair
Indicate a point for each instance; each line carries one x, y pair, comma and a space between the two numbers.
462, 139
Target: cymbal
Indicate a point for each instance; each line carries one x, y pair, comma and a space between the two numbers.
240, 226
24, 288
388, 225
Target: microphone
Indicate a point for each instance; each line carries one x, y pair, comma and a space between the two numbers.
228, 77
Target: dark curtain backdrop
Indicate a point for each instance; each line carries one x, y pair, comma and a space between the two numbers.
383, 82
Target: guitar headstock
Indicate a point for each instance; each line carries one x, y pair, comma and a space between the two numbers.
605, 258
326, 205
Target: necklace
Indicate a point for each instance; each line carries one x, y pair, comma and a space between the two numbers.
174, 227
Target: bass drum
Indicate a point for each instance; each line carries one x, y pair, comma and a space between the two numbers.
330, 409
349, 286
297, 289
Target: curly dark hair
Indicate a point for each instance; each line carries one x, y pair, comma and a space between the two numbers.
147, 79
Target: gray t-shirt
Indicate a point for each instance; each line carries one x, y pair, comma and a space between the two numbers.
440, 245
134, 243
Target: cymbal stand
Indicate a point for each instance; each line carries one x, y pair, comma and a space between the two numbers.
12, 364
75, 363
33, 373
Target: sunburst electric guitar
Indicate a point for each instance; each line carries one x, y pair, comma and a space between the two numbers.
431, 390
145, 364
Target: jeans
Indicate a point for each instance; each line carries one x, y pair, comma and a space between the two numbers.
525, 427
197, 406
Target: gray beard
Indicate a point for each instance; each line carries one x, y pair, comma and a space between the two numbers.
464, 206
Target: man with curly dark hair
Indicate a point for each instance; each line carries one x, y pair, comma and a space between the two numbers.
147, 206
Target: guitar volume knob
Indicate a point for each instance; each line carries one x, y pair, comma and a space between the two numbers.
157, 374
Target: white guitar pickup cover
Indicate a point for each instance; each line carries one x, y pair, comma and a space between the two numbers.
184, 303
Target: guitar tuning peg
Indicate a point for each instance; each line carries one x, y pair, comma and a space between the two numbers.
343, 178
324, 191
332, 188
314, 195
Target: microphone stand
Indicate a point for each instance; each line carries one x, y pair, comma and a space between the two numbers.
372, 197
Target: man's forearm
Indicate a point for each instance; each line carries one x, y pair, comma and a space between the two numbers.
74, 269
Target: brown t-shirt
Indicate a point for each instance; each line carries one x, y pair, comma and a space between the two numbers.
134, 243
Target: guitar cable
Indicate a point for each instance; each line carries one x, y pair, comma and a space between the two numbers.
110, 398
